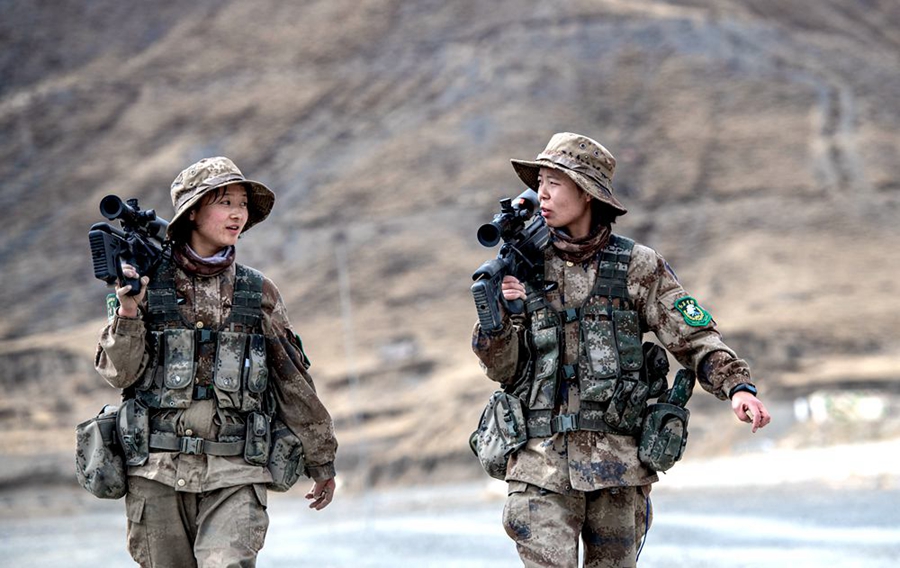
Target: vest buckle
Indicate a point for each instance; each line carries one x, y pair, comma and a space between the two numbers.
191, 446
565, 423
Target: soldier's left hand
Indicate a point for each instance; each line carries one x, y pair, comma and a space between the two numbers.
750, 409
321, 493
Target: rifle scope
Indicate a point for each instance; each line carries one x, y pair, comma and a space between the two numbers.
513, 214
132, 217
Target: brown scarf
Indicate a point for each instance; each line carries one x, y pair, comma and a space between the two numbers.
193, 263
583, 249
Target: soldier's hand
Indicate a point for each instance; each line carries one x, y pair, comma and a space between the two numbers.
512, 289
128, 305
750, 409
321, 493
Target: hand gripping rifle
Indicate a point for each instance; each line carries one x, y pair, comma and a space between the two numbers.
139, 242
520, 255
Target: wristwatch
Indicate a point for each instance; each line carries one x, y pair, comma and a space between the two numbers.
742, 387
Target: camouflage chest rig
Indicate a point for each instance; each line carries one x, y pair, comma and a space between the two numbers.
179, 372
613, 385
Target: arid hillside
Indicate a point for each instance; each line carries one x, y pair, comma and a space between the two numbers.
756, 145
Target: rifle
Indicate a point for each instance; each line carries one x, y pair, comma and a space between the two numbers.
139, 242
520, 255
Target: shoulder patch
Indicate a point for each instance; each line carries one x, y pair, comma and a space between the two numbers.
112, 303
298, 343
693, 313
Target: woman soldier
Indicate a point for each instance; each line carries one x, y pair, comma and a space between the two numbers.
215, 382
577, 356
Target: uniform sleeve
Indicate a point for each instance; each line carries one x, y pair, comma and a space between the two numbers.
499, 353
122, 353
297, 403
683, 326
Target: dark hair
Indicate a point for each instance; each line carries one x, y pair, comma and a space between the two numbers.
602, 214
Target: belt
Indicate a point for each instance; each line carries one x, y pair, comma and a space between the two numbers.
542, 424
194, 446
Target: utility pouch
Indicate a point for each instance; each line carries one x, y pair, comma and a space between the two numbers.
179, 368
286, 462
230, 362
627, 405
256, 446
99, 466
501, 432
663, 436
133, 429
628, 339
546, 356
601, 359
254, 373
656, 369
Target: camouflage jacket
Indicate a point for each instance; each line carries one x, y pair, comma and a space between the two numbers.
585, 460
122, 357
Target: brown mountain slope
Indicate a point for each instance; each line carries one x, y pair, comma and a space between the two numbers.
756, 146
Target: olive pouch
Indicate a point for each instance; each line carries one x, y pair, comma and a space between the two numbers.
179, 368
133, 429
663, 436
99, 465
286, 462
602, 360
230, 362
255, 373
256, 446
501, 432
546, 347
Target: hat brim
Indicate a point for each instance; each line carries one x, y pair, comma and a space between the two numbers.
260, 200
528, 170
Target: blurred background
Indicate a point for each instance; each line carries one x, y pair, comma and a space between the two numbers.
757, 151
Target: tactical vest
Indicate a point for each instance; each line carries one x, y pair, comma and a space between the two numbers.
237, 379
613, 389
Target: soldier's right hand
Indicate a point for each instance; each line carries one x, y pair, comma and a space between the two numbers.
512, 289
128, 305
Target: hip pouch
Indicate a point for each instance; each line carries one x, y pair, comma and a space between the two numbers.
663, 436
501, 432
133, 429
256, 446
286, 461
99, 462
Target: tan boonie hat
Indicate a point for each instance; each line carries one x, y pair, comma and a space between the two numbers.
211, 173
584, 160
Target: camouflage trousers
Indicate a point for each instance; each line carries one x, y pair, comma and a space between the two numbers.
225, 527
546, 526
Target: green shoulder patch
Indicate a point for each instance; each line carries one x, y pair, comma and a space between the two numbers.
693, 314
299, 345
112, 303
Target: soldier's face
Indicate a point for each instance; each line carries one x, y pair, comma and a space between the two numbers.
219, 220
563, 203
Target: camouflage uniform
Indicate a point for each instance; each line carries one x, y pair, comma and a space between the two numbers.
591, 484
206, 510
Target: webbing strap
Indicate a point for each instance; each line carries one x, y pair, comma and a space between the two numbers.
193, 446
613, 268
162, 305
246, 307
543, 423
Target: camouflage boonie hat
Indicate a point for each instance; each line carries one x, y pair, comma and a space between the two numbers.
211, 173
585, 161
